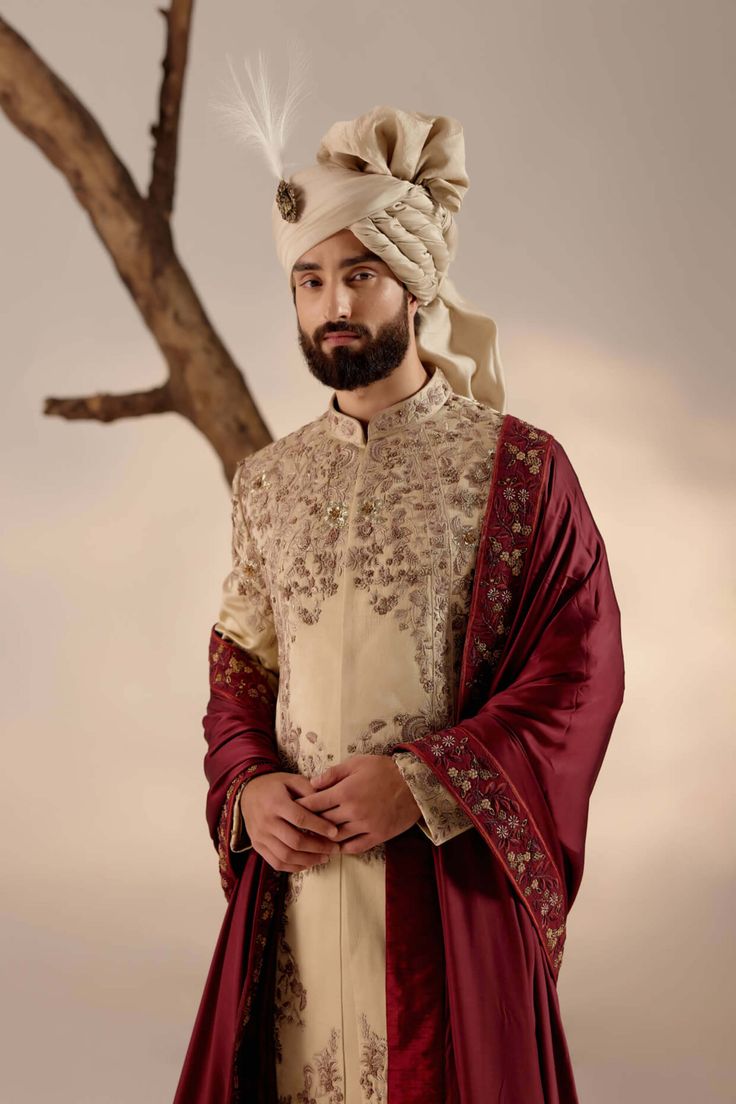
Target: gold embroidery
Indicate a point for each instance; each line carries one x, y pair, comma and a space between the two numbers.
223, 837
337, 512
407, 530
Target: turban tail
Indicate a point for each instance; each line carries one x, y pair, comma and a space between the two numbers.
395, 179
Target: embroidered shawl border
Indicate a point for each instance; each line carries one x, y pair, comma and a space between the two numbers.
461, 762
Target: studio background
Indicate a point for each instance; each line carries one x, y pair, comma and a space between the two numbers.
598, 230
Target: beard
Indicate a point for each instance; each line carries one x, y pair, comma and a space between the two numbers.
345, 367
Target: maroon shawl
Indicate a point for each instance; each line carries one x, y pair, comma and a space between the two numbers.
472, 1009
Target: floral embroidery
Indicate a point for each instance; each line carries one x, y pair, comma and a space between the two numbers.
295, 881
373, 1063
290, 995
328, 1074
239, 674
246, 617
401, 513
322, 1077
225, 824
492, 801
261, 481
444, 818
467, 768
501, 556
415, 407
337, 512
303, 753
487, 794
402, 726
323, 1083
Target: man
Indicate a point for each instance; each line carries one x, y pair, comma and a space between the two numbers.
415, 673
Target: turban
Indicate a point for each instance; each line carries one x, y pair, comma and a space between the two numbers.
396, 179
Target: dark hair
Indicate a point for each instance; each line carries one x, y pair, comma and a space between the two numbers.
418, 318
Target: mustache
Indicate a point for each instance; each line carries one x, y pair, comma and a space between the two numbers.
340, 329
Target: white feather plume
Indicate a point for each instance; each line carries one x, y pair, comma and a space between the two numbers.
256, 118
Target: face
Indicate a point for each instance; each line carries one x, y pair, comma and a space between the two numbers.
343, 289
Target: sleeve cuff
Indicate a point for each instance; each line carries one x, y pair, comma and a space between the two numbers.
238, 833
442, 817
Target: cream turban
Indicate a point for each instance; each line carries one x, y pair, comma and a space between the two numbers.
395, 179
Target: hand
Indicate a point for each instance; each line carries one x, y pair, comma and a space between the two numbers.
276, 822
365, 795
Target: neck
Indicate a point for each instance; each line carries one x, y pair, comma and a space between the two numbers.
364, 402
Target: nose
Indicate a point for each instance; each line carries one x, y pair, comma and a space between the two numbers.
337, 306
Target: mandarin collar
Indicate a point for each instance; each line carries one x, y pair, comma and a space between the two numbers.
404, 413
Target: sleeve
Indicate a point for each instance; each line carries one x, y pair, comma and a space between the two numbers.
246, 620
442, 817
246, 615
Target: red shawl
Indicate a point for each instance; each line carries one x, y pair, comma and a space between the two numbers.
472, 1009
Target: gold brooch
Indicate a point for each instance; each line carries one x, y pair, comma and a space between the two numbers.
286, 201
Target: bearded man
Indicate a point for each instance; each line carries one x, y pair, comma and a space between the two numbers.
414, 675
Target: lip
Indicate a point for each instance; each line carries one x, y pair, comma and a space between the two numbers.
341, 338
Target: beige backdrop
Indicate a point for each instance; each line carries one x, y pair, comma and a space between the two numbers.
599, 232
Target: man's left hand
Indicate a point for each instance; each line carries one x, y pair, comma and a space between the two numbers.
367, 797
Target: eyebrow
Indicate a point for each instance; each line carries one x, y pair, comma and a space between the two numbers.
347, 262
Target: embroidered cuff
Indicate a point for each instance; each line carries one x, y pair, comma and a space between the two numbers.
442, 817
238, 832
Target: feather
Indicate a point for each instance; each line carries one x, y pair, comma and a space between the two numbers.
256, 118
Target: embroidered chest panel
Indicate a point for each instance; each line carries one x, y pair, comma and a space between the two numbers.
398, 519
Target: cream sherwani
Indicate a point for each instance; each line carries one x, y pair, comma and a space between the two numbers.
353, 558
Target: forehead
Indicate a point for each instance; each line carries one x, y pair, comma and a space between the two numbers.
339, 249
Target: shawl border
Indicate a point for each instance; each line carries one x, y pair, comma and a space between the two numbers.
228, 874
491, 801
459, 760
514, 503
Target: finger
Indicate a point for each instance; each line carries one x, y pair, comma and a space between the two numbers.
286, 854
336, 816
303, 818
295, 839
272, 861
347, 831
322, 799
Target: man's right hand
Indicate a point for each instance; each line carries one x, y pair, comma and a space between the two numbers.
276, 823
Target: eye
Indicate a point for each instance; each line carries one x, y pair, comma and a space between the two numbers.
363, 272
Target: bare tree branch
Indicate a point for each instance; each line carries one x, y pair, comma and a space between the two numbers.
166, 130
205, 385
103, 407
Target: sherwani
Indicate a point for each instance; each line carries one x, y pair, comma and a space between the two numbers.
353, 558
